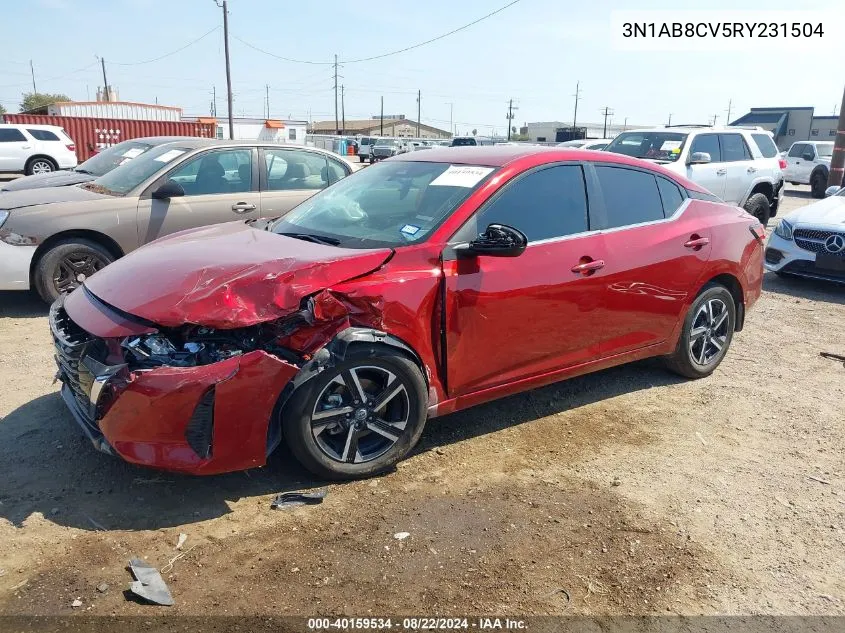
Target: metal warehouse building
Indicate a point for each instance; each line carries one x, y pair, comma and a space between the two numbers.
792, 124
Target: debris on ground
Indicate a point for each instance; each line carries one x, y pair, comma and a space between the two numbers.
103, 587
616, 481
818, 480
832, 356
181, 540
298, 498
148, 583
401, 536
76, 603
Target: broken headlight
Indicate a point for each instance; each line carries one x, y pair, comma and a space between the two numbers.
157, 350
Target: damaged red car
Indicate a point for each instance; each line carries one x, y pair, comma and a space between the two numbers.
420, 286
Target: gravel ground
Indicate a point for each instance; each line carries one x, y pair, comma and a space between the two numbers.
626, 491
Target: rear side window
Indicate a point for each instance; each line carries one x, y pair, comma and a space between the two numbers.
544, 204
734, 148
43, 135
766, 145
670, 194
11, 135
708, 143
797, 149
630, 196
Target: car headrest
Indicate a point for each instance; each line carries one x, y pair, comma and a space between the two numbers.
210, 167
296, 170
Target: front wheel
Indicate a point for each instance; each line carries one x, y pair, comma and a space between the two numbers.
358, 418
706, 335
758, 206
66, 265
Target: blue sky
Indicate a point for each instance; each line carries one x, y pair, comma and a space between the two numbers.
533, 52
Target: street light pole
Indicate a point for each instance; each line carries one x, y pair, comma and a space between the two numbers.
225, 8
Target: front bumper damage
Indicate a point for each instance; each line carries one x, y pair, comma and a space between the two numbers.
203, 419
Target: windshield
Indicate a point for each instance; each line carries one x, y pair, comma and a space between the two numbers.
389, 204
106, 160
661, 146
825, 150
123, 179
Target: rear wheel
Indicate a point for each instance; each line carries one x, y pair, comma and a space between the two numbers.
706, 335
40, 165
818, 183
359, 417
758, 206
66, 265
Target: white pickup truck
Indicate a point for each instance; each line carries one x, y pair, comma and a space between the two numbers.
808, 163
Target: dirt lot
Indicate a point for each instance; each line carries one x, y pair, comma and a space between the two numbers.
630, 491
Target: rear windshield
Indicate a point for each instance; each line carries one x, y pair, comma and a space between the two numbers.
825, 150
659, 146
766, 144
457, 142
115, 156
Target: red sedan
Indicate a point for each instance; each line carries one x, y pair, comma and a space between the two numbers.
420, 286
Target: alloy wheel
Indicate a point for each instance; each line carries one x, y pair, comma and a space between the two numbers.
75, 268
360, 414
41, 167
709, 332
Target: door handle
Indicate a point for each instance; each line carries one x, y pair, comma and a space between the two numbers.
243, 207
752, 170
26, 146
721, 172
697, 242
589, 267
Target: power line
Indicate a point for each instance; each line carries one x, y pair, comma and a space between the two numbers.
178, 50
383, 55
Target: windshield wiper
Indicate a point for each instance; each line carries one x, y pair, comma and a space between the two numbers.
82, 171
317, 239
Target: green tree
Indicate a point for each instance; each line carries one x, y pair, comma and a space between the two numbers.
2, 109
33, 100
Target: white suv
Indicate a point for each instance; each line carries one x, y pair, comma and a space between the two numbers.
808, 163
35, 149
738, 165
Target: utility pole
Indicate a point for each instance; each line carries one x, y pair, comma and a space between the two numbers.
343, 108
214, 101
715, 117
510, 116
607, 112
381, 120
105, 81
228, 66
267, 97
728, 120
32, 68
336, 122
577, 96
451, 124
670, 120
625, 124
419, 108
837, 161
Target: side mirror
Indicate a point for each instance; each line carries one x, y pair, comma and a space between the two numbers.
699, 158
832, 191
499, 240
808, 156
170, 189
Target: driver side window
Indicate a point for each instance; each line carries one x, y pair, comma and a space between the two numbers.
544, 204
226, 171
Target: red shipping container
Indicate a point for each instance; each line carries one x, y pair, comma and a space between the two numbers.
92, 135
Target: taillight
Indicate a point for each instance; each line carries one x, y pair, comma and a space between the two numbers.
782, 163
71, 147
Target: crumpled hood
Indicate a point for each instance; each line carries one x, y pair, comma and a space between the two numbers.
226, 276
53, 179
10, 200
827, 212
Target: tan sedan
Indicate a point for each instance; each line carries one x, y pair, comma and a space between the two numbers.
53, 238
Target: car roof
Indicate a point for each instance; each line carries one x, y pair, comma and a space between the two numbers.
699, 128
36, 126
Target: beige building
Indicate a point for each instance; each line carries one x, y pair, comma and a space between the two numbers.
379, 127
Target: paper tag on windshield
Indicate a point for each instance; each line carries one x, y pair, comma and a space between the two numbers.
669, 146
460, 176
169, 156
132, 153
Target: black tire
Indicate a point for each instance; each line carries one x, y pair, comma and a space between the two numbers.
40, 165
360, 158
818, 184
758, 206
682, 361
363, 360
55, 266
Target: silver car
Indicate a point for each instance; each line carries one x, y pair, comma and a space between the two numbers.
53, 238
